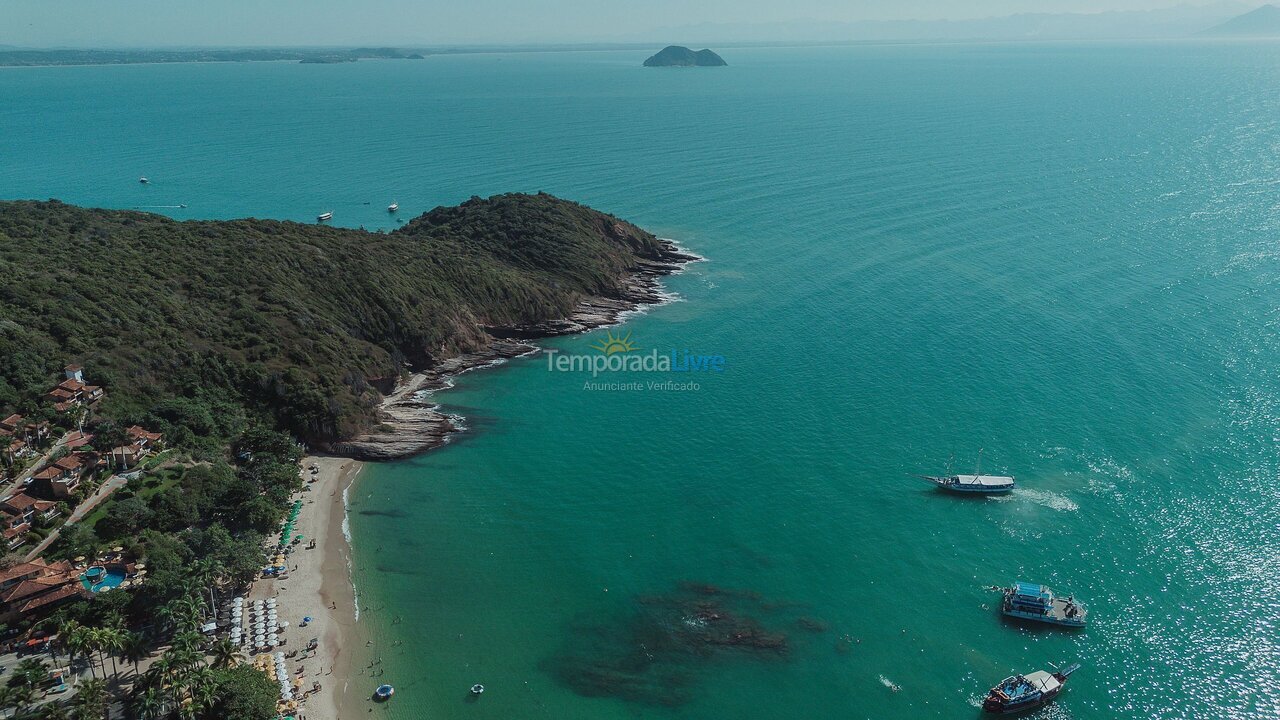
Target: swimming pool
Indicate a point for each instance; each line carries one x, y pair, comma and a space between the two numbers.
98, 578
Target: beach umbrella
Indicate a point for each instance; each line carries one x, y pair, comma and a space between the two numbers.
306, 619
117, 548
79, 558
140, 565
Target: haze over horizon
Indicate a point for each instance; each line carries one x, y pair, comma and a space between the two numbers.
245, 23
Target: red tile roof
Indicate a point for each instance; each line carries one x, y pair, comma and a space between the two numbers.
67, 591
76, 439
70, 463
12, 422
137, 433
23, 569
22, 502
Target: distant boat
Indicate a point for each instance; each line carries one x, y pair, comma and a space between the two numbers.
324, 216
1029, 601
977, 483
393, 207
1021, 693
143, 180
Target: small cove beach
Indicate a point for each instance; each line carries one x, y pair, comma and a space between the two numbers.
318, 586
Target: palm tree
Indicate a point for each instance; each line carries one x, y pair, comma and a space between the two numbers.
90, 702
202, 689
187, 645
225, 653
183, 614
6, 699
30, 672
112, 641
149, 704
20, 698
134, 650
94, 640
161, 672
54, 711
79, 642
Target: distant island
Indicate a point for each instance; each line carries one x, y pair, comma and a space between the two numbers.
680, 56
1261, 23
34, 58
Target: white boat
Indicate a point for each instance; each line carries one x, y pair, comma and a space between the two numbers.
977, 483
324, 216
393, 207
143, 180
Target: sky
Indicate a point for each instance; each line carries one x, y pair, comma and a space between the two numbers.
171, 23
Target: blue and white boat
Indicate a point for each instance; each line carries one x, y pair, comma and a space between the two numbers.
975, 484
1029, 601
1020, 693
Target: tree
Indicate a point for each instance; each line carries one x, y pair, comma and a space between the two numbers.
54, 711
111, 641
20, 698
79, 642
225, 653
31, 672
134, 650
90, 701
125, 517
77, 539
244, 693
148, 704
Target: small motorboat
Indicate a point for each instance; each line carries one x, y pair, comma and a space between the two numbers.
393, 207
1021, 693
143, 180
383, 693
477, 689
975, 484
324, 216
1029, 601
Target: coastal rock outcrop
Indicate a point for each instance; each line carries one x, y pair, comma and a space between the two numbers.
309, 326
680, 56
410, 421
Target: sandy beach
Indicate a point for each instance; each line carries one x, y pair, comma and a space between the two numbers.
319, 586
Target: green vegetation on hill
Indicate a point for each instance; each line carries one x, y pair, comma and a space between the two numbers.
192, 327
680, 56
232, 338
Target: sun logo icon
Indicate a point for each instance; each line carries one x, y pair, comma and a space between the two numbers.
611, 344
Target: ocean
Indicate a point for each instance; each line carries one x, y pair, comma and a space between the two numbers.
1061, 256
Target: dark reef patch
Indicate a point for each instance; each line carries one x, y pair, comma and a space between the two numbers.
661, 647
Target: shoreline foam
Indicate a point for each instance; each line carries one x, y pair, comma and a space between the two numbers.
411, 404
411, 424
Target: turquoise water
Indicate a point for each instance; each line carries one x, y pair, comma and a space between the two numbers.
110, 579
1065, 256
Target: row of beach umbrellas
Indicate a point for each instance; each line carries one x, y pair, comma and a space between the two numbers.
264, 623
287, 534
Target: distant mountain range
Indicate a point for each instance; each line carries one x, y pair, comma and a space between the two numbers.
1177, 22
1261, 23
